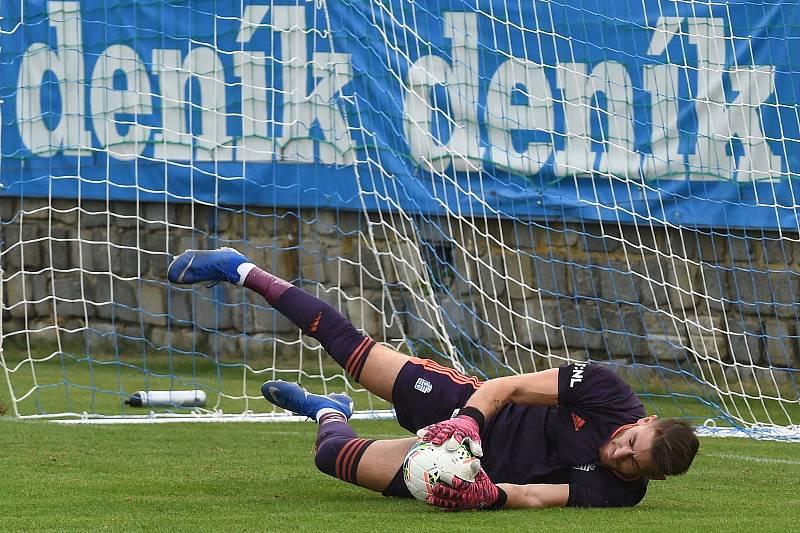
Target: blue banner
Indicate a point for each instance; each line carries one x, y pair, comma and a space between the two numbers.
656, 111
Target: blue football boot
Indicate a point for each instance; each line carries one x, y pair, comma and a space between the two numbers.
193, 266
296, 399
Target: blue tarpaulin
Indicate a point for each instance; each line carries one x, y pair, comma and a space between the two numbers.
658, 111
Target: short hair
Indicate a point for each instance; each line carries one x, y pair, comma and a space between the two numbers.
674, 446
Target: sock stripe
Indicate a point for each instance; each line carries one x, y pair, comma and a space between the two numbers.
344, 453
347, 460
353, 356
357, 459
362, 360
352, 365
348, 469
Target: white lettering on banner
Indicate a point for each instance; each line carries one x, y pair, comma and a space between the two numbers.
718, 122
754, 85
301, 109
661, 81
334, 72
579, 89
278, 121
503, 116
203, 65
710, 156
612, 79
251, 67
715, 123
290, 22
201, 73
577, 374
577, 156
463, 149
175, 141
255, 144
66, 64
212, 143
664, 160
107, 102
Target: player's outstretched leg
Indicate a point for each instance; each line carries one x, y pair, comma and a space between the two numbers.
339, 452
374, 366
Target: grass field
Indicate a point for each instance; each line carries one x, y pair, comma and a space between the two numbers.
260, 477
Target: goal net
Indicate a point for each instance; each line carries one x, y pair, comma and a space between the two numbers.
502, 187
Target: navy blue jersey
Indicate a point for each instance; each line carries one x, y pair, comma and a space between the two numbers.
560, 444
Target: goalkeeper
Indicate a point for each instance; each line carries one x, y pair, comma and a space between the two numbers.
570, 436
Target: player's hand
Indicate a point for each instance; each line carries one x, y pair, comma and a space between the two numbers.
479, 494
462, 429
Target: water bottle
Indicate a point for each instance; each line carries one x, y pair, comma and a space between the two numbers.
168, 398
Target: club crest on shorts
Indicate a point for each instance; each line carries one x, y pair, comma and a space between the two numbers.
423, 385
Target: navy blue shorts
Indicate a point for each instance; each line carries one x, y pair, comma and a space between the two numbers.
424, 393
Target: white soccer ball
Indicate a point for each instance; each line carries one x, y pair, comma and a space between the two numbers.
426, 465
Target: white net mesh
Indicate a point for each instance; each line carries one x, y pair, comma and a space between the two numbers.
502, 187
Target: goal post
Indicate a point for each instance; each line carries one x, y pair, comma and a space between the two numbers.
501, 187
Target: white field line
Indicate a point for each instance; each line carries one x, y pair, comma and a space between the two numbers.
752, 458
206, 418
370, 435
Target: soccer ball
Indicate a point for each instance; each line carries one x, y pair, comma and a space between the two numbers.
426, 465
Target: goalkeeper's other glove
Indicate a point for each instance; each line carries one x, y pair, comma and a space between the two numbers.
479, 494
464, 429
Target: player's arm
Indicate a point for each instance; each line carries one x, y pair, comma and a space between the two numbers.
483, 494
539, 388
535, 496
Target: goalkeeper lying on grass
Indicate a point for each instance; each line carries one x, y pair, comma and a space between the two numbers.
572, 436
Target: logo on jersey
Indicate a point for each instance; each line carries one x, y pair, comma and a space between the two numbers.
586, 468
315, 323
578, 422
423, 385
577, 374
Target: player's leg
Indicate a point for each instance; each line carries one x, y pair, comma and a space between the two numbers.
372, 464
381, 467
340, 453
374, 366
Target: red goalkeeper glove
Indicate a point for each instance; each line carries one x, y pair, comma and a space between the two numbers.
464, 429
479, 494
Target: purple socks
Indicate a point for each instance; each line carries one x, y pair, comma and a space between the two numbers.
338, 448
316, 318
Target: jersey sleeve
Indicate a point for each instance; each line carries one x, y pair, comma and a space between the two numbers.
584, 495
588, 385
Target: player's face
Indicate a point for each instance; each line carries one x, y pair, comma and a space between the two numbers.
628, 451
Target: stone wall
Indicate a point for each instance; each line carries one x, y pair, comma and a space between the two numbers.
515, 291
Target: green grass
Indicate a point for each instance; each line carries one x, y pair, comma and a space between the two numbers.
261, 477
